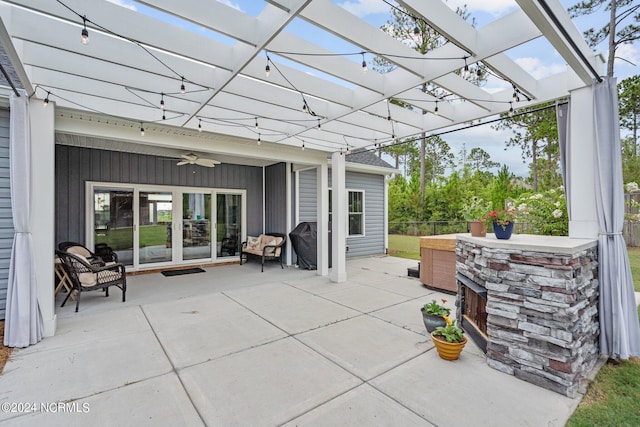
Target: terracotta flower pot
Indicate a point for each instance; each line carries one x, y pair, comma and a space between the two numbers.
448, 350
477, 229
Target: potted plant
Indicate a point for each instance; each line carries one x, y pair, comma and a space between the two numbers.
449, 341
473, 211
435, 315
503, 220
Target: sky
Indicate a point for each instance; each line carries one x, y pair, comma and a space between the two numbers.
537, 57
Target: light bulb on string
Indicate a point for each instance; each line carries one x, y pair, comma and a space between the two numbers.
435, 111
141, 129
267, 69
84, 33
465, 72
46, 100
259, 140
364, 63
199, 125
257, 126
302, 145
162, 100
478, 70
318, 123
510, 109
183, 90
163, 116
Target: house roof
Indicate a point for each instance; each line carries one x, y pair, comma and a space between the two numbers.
366, 157
137, 58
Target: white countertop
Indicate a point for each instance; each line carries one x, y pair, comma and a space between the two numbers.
532, 242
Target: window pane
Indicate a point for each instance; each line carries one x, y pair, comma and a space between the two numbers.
355, 224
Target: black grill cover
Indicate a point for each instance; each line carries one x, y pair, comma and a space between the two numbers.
304, 239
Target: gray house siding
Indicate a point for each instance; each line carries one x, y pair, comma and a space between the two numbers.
75, 166
6, 216
275, 196
373, 186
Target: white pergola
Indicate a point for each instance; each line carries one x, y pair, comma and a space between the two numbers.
226, 85
107, 89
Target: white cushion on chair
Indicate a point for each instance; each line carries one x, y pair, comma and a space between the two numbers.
78, 250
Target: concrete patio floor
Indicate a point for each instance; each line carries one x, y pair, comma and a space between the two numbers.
236, 347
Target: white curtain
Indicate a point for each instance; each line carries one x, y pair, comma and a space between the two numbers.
619, 329
564, 136
23, 322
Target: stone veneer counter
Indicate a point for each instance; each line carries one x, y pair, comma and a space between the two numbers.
541, 305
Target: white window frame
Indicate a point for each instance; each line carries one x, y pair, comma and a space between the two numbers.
363, 213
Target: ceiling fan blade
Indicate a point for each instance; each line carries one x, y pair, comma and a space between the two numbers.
183, 162
209, 163
189, 156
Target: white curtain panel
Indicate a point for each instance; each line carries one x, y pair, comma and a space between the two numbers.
619, 329
23, 322
564, 136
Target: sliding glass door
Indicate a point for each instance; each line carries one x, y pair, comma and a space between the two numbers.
155, 231
149, 226
228, 224
196, 226
113, 220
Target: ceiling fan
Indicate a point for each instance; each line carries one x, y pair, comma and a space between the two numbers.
194, 159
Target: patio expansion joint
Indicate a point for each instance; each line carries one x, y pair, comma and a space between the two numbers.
173, 368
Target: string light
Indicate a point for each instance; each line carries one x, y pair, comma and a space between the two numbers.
388, 111
46, 100
162, 101
302, 145
163, 116
183, 90
478, 70
435, 111
267, 69
510, 109
199, 125
84, 34
141, 129
259, 140
257, 127
465, 72
318, 123
364, 63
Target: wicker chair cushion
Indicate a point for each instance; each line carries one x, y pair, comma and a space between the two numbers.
79, 250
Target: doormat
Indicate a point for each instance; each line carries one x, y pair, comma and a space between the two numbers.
169, 273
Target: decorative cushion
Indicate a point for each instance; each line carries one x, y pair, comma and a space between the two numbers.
253, 242
273, 242
79, 250
86, 278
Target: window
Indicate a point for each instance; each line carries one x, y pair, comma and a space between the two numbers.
356, 213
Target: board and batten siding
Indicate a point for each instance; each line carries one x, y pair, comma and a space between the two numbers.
372, 242
77, 165
6, 215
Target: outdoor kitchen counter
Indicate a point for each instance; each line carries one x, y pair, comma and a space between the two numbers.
530, 242
533, 302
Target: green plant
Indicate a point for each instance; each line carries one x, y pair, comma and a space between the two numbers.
450, 333
544, 213
475, 209
503, 217
436, 309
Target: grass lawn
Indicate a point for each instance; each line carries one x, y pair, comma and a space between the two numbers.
613, 398
405, 246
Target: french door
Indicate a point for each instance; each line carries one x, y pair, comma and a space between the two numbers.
155, 226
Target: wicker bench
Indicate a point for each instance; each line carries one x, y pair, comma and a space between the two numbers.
267, 247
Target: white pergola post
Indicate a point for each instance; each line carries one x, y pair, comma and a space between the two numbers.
43, 207
339, 219
583, 220
288, 219
322, 184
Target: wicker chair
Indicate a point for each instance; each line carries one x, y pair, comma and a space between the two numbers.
86, 276
102, 255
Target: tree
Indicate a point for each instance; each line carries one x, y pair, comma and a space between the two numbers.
536, 134
481, 160
623, 26
629, 107
419, 35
